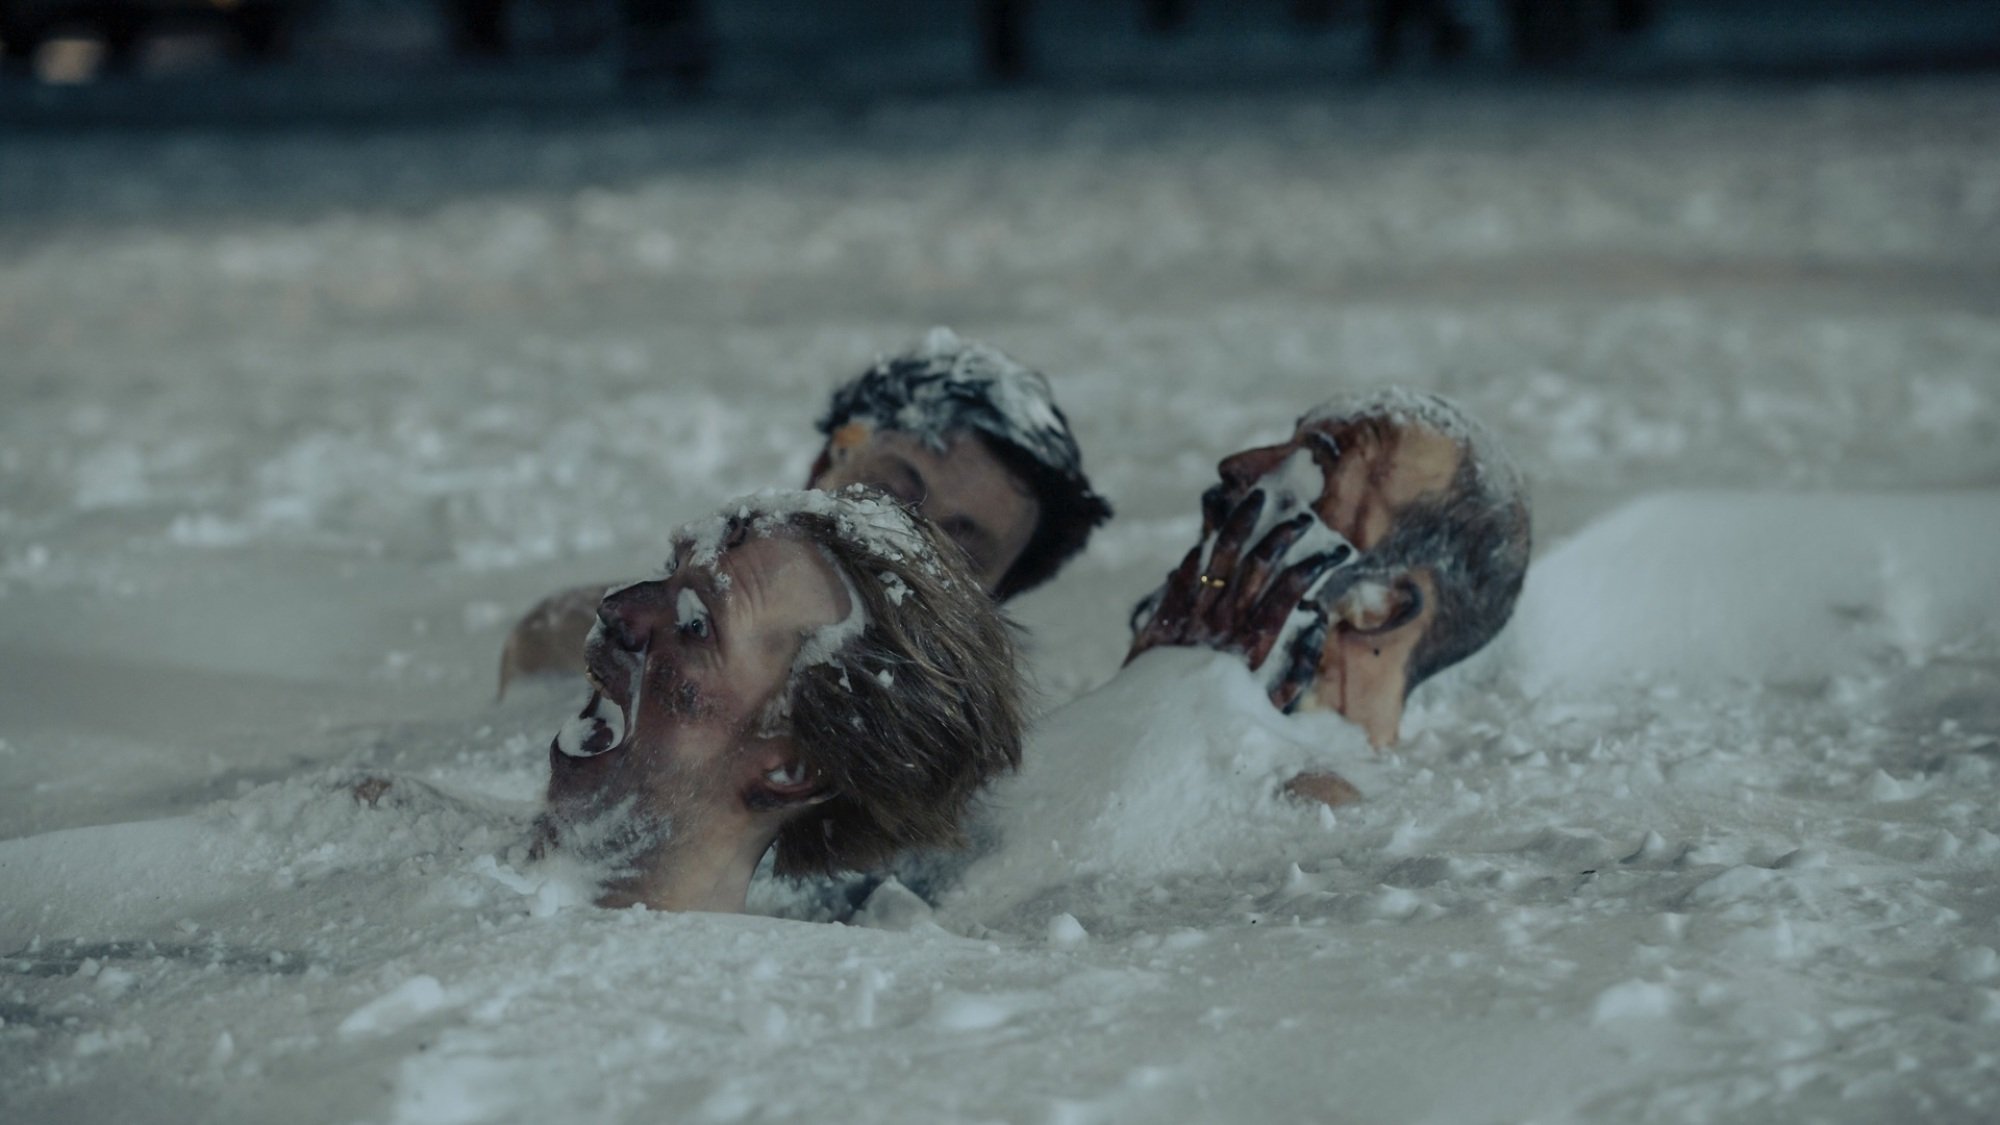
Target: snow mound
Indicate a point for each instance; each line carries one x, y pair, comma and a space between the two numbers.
1697, 587
1172, 767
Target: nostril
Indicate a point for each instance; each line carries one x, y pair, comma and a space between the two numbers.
615, 613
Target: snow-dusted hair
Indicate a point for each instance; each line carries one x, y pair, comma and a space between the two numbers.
1474, 536
949, 385
911, 716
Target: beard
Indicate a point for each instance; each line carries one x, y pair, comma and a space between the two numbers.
629, 826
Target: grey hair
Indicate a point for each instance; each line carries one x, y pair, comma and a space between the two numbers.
1475, 540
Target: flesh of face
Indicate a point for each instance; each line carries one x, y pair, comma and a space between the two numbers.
689, 664
1371, 471
965, 490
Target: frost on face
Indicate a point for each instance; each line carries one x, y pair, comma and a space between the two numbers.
860, 516
948, 385
1403, 406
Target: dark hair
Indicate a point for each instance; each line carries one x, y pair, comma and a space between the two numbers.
1475, 539
909, 719
949, 386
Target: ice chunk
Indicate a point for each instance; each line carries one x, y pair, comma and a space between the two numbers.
401, 1006
1632, 999
1065, 932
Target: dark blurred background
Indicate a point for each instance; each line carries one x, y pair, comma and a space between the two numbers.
70, 60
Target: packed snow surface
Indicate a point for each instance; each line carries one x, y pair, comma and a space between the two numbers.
297, 421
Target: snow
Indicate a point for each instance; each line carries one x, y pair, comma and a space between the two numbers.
1708, 834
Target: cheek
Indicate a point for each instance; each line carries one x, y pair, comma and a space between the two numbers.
676, 696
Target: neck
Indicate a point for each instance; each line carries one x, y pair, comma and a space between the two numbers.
705, 866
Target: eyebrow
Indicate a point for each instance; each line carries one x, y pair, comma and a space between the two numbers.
907, 475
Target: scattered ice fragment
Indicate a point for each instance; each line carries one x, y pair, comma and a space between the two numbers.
1882, 787
1970, 966
1632, 999
893, 906
1652, 849
1741, 882
1394, 903
763, 1019
1065, 932
892, 587
1801, 859
959, 1011
114, 981
401, 1006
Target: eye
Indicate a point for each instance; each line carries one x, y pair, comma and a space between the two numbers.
691, 617
905, 493
1329, 449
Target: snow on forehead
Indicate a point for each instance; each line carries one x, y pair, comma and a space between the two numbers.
1404, 406
861, 516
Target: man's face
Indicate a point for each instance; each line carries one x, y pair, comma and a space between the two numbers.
682, 670
965, 490
1368, 471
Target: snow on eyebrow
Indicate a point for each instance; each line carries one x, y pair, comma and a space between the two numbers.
823, 644
689, 608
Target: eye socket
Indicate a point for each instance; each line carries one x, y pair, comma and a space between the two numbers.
691, 616
1327, 446
904, 492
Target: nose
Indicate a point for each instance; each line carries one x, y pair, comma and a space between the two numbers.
1241, 470
632, 615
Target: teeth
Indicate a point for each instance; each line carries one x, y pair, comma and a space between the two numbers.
599, 727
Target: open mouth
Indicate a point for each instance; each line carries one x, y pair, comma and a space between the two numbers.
597, 729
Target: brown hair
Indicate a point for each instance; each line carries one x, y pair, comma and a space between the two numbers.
909, 719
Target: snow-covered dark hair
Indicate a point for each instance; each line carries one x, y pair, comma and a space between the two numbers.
949, 385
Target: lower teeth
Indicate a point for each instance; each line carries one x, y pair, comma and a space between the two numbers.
599, 728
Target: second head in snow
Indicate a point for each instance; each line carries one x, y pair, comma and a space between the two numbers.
1386, 540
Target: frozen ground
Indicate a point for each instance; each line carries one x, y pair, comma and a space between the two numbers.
295, 420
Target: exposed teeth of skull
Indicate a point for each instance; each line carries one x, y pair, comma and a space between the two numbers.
599, 727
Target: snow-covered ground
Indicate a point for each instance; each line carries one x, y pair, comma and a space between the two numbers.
296, 420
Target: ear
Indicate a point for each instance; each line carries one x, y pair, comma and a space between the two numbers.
779, 780
1364, 669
